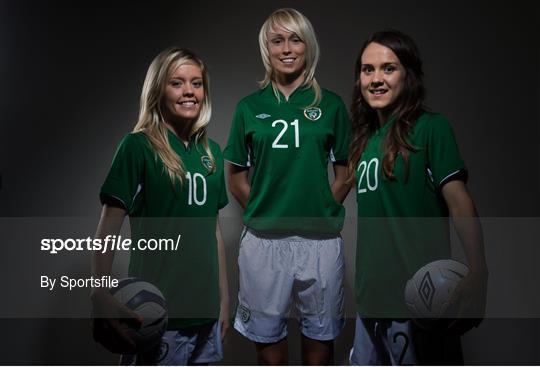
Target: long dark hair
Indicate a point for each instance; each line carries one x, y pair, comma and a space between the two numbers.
409, 105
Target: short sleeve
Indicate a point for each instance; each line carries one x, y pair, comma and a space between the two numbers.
342, 134
236, 150
123, 181
444, 161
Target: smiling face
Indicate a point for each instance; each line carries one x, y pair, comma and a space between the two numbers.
382, 79
184, 93
287, 53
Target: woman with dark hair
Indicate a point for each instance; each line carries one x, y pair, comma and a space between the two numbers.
409, 178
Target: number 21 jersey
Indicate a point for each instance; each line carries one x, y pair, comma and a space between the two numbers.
288, 144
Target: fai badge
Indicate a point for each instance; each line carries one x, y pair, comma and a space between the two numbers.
313, 113
244, 313
207, 162
163, 351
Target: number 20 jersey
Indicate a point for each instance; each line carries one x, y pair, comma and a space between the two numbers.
402, 222
288, 145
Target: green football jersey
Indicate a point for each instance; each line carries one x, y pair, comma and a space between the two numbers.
188, 276
288, 147
402, 223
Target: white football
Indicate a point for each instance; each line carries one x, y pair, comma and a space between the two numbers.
428, 292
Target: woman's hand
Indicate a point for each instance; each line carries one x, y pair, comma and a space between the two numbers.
111, 322
238, 181
223, 283
224, 319
468, 302
340, 188
469, 298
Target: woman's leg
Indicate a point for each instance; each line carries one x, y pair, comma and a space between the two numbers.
273, 353
317, 352
318, 294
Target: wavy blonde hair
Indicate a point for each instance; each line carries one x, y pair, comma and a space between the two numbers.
151, 121
292, 21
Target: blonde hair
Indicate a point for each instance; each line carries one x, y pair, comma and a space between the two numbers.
151, 121
292, 21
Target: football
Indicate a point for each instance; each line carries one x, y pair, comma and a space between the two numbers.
428, 292
146, 300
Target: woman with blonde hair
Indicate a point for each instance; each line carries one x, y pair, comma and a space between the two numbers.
291, 252
167, 175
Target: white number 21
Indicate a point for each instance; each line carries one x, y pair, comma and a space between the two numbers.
276, 143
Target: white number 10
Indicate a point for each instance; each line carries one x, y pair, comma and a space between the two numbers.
276, 144
192, 189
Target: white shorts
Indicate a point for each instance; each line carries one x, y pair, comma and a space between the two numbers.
382, 342
197, 345
391, 342
277, 272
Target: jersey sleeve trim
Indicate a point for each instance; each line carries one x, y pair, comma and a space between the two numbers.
112, 200
223, 204
340, 162
247, 165
120, 199
460, 174
334, 160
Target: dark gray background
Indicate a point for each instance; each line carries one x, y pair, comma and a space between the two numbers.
71, 75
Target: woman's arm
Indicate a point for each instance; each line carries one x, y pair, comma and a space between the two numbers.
105, 307
339, 187
468, 226
470, 296
237, 178
110, 223
223, 283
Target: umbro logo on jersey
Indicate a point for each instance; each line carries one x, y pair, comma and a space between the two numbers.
263, 116
313, 113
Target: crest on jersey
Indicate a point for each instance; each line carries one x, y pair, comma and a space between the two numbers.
244, 313
163, 351
263, 116
207, 162
313, 113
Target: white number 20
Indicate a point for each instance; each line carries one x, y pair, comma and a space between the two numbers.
192, 189
368, 170
276, 144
